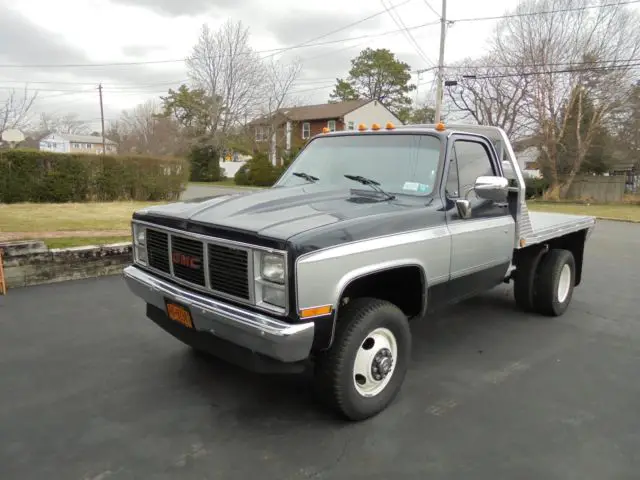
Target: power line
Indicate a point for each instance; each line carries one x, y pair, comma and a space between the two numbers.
353, 24
541, 65
531, 14
277, 50
547, 72
426, 2
407, 33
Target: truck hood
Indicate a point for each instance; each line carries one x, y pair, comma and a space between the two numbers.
281, 213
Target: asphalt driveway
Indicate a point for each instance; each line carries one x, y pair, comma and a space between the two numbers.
90, 389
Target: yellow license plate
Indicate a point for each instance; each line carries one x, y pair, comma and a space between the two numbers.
179, 314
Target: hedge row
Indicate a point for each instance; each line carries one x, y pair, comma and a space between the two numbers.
260, 172
46, 177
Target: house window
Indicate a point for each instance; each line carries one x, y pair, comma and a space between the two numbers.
76, 145
351, 125
332, 125
88, 145
306, 130
261, 134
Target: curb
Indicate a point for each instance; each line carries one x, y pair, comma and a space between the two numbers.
30, 262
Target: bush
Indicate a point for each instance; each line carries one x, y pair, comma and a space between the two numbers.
205, 164
257, 172
37, 176
535, 187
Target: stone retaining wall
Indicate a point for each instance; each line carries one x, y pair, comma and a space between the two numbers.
32, 263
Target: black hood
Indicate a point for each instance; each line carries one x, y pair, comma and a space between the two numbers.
280, 213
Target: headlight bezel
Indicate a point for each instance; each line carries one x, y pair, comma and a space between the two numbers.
265, 287
139, 247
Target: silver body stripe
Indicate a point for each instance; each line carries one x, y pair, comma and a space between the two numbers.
476, 244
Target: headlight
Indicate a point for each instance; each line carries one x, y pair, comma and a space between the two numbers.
139, 235
272, 268
274, 296
140, 254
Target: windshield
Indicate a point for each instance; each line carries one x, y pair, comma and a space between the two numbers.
401, 164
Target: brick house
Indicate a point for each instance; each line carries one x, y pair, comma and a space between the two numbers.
291, 127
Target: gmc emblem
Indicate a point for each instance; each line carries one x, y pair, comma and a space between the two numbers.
186, 260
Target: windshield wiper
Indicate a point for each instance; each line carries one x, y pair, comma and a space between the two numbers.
306, 176
372, 183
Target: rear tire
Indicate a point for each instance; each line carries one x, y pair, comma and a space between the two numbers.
524, 279
364, 369
554, 284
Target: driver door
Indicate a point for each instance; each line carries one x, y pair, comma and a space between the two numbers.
481, 245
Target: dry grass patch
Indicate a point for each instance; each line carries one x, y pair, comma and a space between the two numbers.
55, 217
623, 211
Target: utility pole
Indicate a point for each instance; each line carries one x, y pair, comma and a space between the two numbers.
104, 145
440, 87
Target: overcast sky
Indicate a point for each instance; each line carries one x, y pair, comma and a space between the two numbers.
41, 33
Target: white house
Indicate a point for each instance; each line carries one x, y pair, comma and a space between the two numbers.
67, 143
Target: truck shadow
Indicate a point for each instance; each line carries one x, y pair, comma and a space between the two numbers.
282, 402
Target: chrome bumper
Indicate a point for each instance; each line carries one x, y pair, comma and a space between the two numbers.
262, 334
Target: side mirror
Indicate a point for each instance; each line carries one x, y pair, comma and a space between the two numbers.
464, 208
492, 188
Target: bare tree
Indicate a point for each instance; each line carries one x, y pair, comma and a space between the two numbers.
576, 47
68, 123
15, 109
142, 130
230, 71
490, 95
279, 78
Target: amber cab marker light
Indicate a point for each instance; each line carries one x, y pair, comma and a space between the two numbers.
315, 311
375, 126
440, 127
325, 130
362, 127
390, 126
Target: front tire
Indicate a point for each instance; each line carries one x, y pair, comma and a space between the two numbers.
555, 283
364, 369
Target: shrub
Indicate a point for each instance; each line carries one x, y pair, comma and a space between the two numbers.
257, 172
535, 187
205, 164
37, 176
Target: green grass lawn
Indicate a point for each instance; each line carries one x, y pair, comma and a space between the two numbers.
627, 212
56, 217
82, 241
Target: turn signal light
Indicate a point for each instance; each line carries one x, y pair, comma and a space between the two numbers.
362, 127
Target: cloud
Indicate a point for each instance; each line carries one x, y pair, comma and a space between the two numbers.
140, 50
297, 26
24, 42
185, 7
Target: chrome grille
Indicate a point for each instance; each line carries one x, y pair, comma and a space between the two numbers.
217, 267
187, 257
229, 270
158, 250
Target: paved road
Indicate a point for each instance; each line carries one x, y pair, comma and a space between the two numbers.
89, 389
197, 191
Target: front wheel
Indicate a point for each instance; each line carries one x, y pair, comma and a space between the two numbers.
364, 369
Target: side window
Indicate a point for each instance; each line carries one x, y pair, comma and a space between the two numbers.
469, 161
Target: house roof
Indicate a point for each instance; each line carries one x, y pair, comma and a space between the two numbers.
321, 111
85, 138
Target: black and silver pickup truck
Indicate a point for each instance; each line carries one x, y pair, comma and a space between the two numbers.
365, 232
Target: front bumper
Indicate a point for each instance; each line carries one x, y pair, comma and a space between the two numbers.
254, 331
